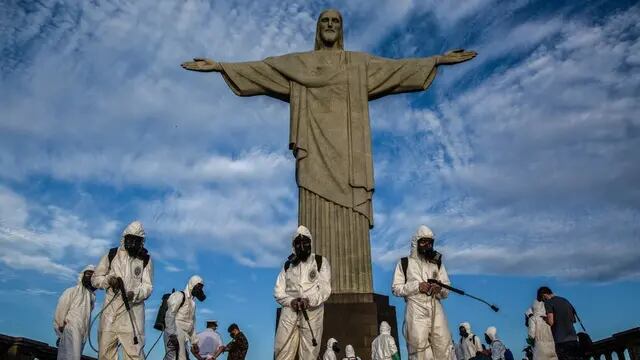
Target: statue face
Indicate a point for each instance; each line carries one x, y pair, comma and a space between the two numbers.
330, 27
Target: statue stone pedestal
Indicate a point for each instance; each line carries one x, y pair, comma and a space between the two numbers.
355, 318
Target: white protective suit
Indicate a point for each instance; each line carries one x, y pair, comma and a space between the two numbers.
301, 281
73, 313
180, 320
544, 347
115, 326
469, 345
425, 324
350, 354
498, 349
329, 354
383, 346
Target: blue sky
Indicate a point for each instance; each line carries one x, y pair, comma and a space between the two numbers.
523, 161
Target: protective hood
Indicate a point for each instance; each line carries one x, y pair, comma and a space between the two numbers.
330, 343
349, 352
423, 231
88, 267
302, 230
134, 228
193, 281
492, 333
385, 328
538, 308
467, 327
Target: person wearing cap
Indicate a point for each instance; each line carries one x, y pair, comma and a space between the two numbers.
210, 342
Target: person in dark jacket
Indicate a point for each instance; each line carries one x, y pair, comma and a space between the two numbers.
239, 346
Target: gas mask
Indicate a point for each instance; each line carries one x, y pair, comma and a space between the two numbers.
463, 332
425, 248
302, 248
86, 280
134, 245
487, 339
198, 292
336, 348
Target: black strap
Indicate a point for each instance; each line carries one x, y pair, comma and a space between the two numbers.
184, 297
111, 256
114, 251
318, 262
287, 264
575, 313
404, 262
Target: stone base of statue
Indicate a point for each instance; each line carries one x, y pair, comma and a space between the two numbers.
354, 319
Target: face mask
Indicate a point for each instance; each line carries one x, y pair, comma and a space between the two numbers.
302, 247
198, 293
463, 332
86, 280
336, 348
487, 339
133, 245
425, 248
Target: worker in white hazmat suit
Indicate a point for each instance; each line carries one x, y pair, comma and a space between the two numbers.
469, 342
350, 354
73, 315
304, 284
333, 349
384, 346
497, 349
425, 323
540, 334
131, 263
180, 320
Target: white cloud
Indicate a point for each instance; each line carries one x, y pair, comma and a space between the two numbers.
53, 242
533, 171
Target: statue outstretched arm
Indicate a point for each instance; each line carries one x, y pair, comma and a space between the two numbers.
456, 56
202, 65
245, 78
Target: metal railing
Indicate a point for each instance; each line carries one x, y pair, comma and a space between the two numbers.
625, 345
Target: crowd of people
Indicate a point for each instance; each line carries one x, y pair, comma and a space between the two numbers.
302, 287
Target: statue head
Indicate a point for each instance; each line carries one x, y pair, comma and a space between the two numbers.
329, 34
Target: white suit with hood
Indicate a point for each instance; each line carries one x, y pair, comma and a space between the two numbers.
73, 313
350, 354
180, 320
469, 345
115, 326
383, 346
425, 324
544, 347
329, 354
497, 347
302, 280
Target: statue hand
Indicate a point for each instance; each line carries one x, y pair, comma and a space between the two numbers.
456, 56
202, 65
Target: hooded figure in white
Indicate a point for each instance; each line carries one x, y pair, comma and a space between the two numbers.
72, 318
384, 346
497, 347
543, 345
302, 280
350, 354
180, 320
115, 326
330, 354
425, 324
470, 344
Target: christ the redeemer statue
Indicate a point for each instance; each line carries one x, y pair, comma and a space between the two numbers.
328, 90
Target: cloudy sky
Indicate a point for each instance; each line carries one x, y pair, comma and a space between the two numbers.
523, 161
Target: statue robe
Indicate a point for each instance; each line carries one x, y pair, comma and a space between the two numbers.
330, 137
